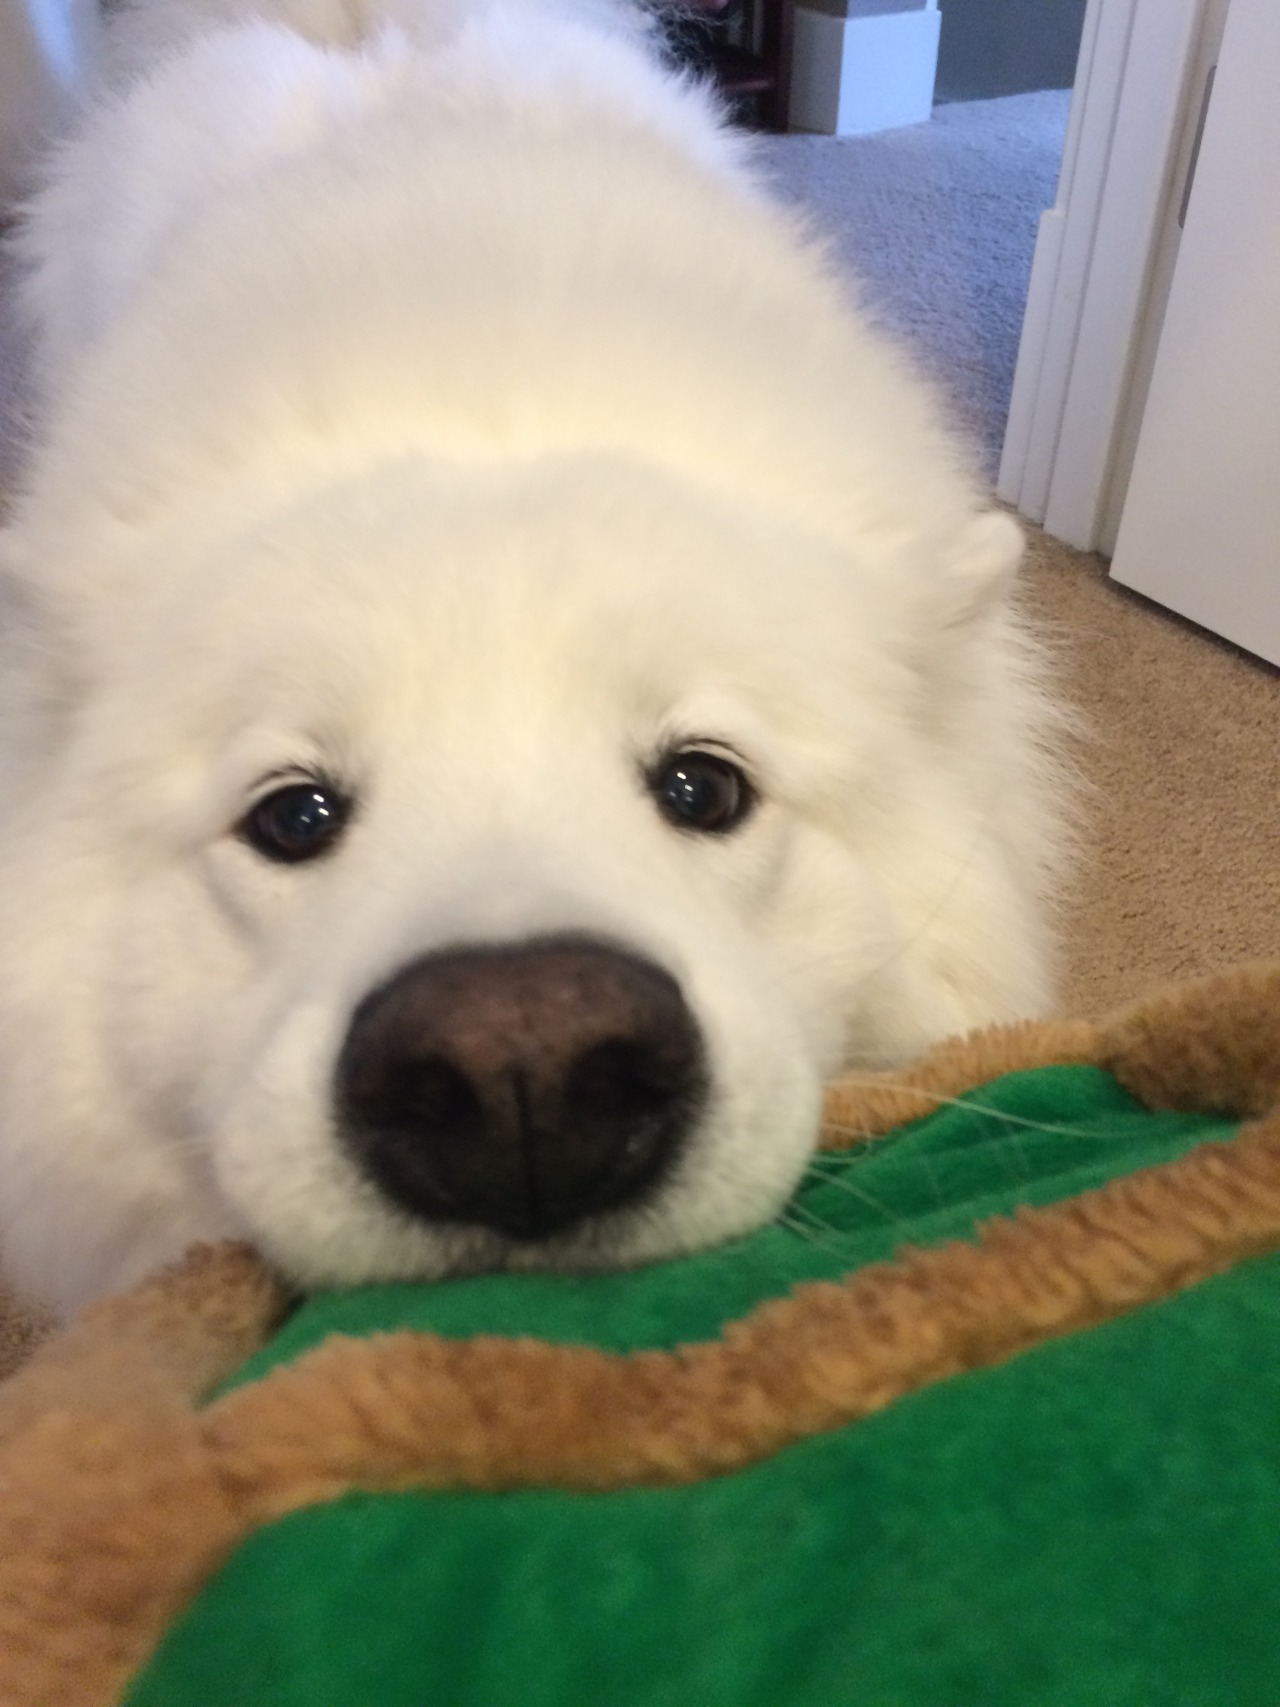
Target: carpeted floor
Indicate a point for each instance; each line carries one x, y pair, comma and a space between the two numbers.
1180, 872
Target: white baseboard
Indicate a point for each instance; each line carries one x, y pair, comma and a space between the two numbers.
854, 75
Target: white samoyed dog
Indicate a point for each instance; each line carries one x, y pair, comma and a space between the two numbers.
507, 682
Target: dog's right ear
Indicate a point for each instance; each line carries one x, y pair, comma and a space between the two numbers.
980, 570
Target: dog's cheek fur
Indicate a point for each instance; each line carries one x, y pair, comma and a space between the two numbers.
100, 1179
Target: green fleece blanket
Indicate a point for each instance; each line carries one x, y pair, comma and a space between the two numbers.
1093, 1524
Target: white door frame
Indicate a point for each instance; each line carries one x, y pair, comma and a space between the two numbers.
1102, 261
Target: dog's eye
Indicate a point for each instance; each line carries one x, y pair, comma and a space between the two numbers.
701, 791
298, 822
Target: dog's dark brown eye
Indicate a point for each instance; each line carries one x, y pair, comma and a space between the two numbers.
298, 822
702, 791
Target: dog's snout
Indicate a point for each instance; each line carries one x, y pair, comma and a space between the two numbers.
522, 1088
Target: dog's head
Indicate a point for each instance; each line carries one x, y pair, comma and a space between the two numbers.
452, 870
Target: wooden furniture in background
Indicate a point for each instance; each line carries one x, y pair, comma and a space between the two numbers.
746, 46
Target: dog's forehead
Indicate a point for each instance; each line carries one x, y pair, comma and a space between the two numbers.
526, 582
445, 624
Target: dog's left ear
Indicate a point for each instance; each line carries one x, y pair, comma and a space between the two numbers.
980, 570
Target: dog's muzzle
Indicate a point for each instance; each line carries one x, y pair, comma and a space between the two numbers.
523, 1088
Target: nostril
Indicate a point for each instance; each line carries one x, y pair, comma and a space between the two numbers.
623, 1101
434, 1097
623, 1085
418, 1118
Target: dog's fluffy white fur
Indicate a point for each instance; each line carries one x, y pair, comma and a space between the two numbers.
431, 398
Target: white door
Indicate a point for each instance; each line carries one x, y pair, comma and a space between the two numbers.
1200, 527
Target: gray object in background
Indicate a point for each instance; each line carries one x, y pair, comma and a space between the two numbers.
1007, 47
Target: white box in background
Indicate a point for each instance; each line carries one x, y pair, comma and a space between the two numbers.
863, 65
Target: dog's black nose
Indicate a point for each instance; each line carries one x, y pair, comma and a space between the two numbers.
521, 1088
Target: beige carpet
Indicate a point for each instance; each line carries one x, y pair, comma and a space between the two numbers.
1181, 871
1181, 866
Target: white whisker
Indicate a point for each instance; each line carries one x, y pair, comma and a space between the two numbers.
987, 1110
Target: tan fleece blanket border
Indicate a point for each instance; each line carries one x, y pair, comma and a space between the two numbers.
118, 1497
